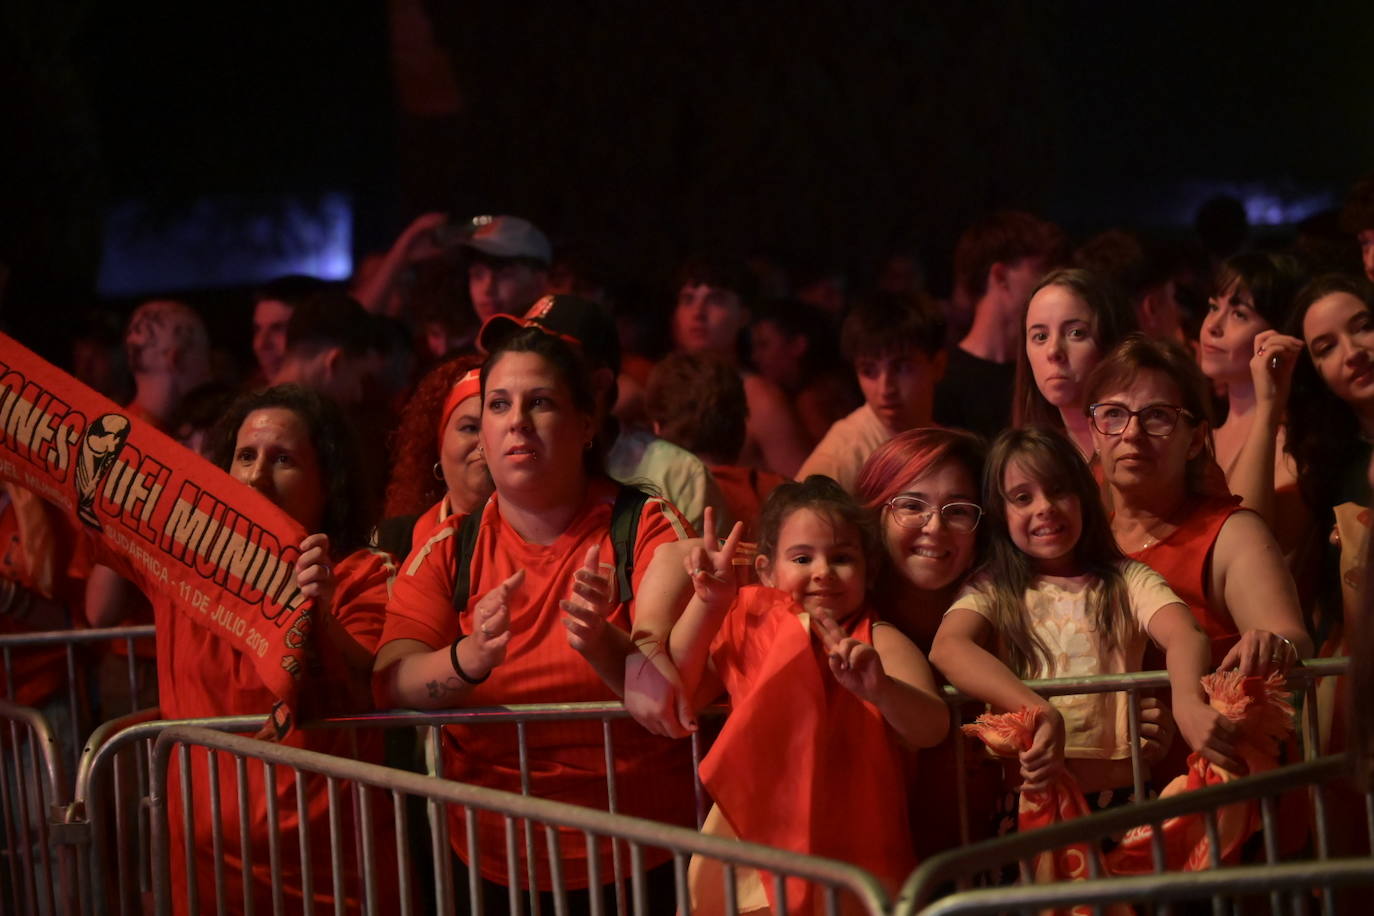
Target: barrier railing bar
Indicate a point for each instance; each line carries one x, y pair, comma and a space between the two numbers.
303, 830
189, 833
942, 867
216, 830
269, 775
1231, 882
402, 828
631, 829
331, 788
245, 834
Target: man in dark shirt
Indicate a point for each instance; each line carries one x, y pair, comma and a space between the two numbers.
997, 263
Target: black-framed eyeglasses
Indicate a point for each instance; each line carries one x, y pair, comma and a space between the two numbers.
1111, 419
910, 512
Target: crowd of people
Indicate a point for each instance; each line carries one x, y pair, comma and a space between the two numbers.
1093, 459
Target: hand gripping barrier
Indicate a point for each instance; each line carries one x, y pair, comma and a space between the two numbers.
958, 865
1302, 680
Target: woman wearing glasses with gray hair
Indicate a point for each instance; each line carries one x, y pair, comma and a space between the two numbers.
1148, 407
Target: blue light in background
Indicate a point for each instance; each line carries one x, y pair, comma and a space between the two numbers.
224, 241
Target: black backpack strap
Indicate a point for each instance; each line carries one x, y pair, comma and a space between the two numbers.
467, 545
393, 535
629, 506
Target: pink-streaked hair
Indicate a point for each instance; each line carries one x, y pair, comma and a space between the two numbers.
912, 454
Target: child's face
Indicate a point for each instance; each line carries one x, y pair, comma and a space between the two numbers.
819, 562
899, 387
1044, 525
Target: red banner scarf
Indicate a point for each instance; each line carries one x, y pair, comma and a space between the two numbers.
222, 553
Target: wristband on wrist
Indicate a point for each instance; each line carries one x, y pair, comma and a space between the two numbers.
458, 669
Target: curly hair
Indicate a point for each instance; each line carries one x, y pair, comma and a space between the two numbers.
413, 486
698, 402
347, 515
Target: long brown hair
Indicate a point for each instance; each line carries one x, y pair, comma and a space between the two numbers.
1113, 319
1006, 573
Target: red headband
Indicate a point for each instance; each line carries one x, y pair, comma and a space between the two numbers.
469, 386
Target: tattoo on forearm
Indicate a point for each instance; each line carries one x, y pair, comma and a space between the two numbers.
438, 689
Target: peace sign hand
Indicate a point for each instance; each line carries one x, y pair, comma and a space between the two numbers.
854, 663
710, 565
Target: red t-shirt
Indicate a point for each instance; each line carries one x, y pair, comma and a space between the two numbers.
566, 759
39, 671
744, 490
201, 675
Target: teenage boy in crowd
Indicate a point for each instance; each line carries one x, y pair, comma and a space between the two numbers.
997, 263
895, 342
712, 310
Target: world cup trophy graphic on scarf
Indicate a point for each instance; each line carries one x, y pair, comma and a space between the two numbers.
99, 448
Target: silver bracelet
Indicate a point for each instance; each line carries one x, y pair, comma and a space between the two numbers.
1297, 656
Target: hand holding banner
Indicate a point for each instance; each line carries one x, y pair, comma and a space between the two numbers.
221, 552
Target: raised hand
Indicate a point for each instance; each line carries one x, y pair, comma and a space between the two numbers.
854, 663
1271, 368
588, 604
710, 565
485, 647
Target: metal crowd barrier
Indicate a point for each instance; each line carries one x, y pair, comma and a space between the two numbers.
37, 873
75, 702
834, 879
1293, 880
1302, 680
959, 865
97, 813
124, 746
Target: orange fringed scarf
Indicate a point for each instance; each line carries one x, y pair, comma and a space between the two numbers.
1007, 735
1265, 716
1261, 707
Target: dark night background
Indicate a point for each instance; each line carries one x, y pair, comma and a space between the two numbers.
820, 133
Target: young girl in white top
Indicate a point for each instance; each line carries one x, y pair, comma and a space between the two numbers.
1055, 597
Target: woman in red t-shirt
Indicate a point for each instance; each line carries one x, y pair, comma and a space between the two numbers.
296, 448
542, 620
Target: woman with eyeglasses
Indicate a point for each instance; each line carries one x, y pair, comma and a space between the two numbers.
1148, 406
923, 484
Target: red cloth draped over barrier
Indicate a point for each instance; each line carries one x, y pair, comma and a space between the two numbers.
1261, 709
1265, 717
222, 553
1007, 735
802, 763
